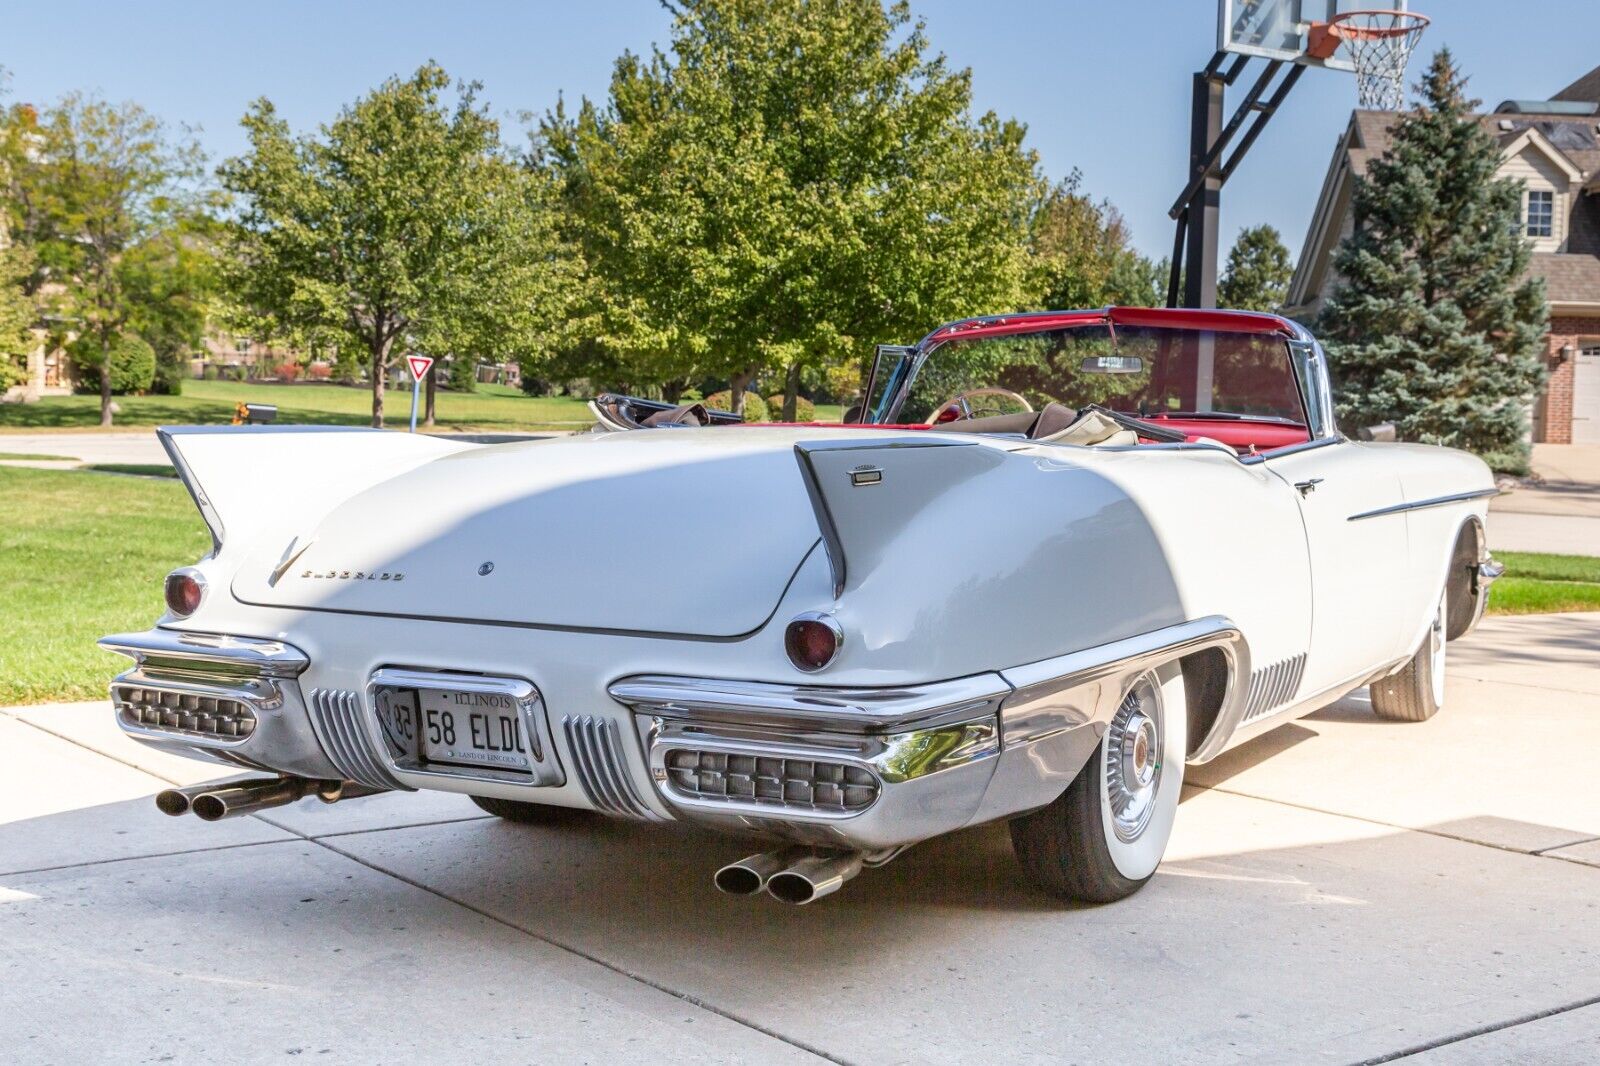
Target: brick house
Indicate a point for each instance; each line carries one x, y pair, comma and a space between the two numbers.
1554, 147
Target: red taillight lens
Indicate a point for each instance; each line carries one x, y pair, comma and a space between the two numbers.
184, 592
812, 641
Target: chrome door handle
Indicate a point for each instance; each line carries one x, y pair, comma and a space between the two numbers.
1309, 486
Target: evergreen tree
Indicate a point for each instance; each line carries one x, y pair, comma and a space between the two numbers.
1434, 326
1256, 277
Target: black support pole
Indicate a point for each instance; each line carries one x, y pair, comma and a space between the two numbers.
1200, 265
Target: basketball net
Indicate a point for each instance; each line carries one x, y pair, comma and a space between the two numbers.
1379, 45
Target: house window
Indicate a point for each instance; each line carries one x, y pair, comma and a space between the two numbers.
1539, 219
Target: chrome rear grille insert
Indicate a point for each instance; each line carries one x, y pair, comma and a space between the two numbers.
808, 784
336, 718
601, 767
146, 706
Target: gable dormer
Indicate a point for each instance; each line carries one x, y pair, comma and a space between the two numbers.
1551, 184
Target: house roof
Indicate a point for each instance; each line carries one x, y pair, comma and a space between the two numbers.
1571, 141
1585, 88
1568, 278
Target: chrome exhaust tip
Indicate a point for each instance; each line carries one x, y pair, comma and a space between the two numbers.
247, 796
814, 877
749, 875
176, 801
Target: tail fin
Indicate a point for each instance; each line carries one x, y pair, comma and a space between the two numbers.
245, 479
865, 491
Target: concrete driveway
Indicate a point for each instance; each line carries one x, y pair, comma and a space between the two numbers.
1341, 890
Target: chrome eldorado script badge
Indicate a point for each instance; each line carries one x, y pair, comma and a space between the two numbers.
354, 575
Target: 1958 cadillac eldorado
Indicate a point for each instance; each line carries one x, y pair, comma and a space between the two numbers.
1050, 560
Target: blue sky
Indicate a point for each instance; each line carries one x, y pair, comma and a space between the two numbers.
1103, 87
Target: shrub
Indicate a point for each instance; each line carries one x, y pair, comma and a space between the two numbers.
319, 371
171, 368
755, 408
133, 364
289, 373
804, 409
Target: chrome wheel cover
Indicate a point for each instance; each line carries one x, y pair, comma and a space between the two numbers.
1132, 757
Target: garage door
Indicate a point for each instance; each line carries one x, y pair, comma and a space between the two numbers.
1586, 396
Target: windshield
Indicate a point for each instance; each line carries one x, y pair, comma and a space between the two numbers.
1146, 371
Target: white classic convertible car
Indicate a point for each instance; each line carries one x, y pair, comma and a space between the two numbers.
1050, 560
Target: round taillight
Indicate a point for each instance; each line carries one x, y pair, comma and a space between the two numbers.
184, 590
812, 640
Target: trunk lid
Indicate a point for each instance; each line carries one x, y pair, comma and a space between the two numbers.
693, 532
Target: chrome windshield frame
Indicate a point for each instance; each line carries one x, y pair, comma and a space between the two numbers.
1321, 424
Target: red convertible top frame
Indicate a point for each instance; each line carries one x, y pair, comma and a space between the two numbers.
1168, 317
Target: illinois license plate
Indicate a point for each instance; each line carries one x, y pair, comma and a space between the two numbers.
455, 728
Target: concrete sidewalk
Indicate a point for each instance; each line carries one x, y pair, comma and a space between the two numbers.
1562, 515
1340, 890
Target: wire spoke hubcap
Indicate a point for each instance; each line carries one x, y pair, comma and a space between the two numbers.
1133, 758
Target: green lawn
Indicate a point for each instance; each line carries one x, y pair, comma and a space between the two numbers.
37, 458
1536, 583
83, 555
492, 408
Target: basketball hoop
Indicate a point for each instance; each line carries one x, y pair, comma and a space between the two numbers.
1379, 44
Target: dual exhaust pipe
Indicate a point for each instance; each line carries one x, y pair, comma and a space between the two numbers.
226, 799
796, 874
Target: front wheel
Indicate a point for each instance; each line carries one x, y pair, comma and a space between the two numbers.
1103, 838
1415, 692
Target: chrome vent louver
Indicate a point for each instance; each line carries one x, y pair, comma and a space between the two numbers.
1273, 686
811, 784
336, 718
145, 706
601, 766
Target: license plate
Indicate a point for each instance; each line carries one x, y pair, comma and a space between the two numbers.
455, 728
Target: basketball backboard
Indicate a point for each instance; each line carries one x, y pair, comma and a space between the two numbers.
1281, 29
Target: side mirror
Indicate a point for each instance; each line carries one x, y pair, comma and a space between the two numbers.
1383, 432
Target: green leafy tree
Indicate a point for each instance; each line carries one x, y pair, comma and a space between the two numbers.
18, 314
129, 364
1256, 277
402, 225
101, 190
1435, 325
792, 181
1082, 253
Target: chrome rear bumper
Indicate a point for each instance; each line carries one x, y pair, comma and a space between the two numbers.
861, 769
187, 677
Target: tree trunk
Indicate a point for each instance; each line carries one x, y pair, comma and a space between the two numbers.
427, 419
105, 384
380, 364
736, 386
791, 393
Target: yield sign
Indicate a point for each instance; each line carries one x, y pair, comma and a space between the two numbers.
420, 365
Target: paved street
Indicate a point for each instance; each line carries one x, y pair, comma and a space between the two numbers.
1341, 890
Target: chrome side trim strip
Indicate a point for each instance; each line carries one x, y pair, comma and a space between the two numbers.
336, 717
600, 765
1290, 449
1119, 661
1434, 501
850, 710
209, 653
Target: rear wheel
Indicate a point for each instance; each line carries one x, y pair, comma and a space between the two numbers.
527, 813
1415, 692
1103, 838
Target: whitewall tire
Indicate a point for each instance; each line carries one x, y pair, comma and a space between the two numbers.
1415, 692
1105, 835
